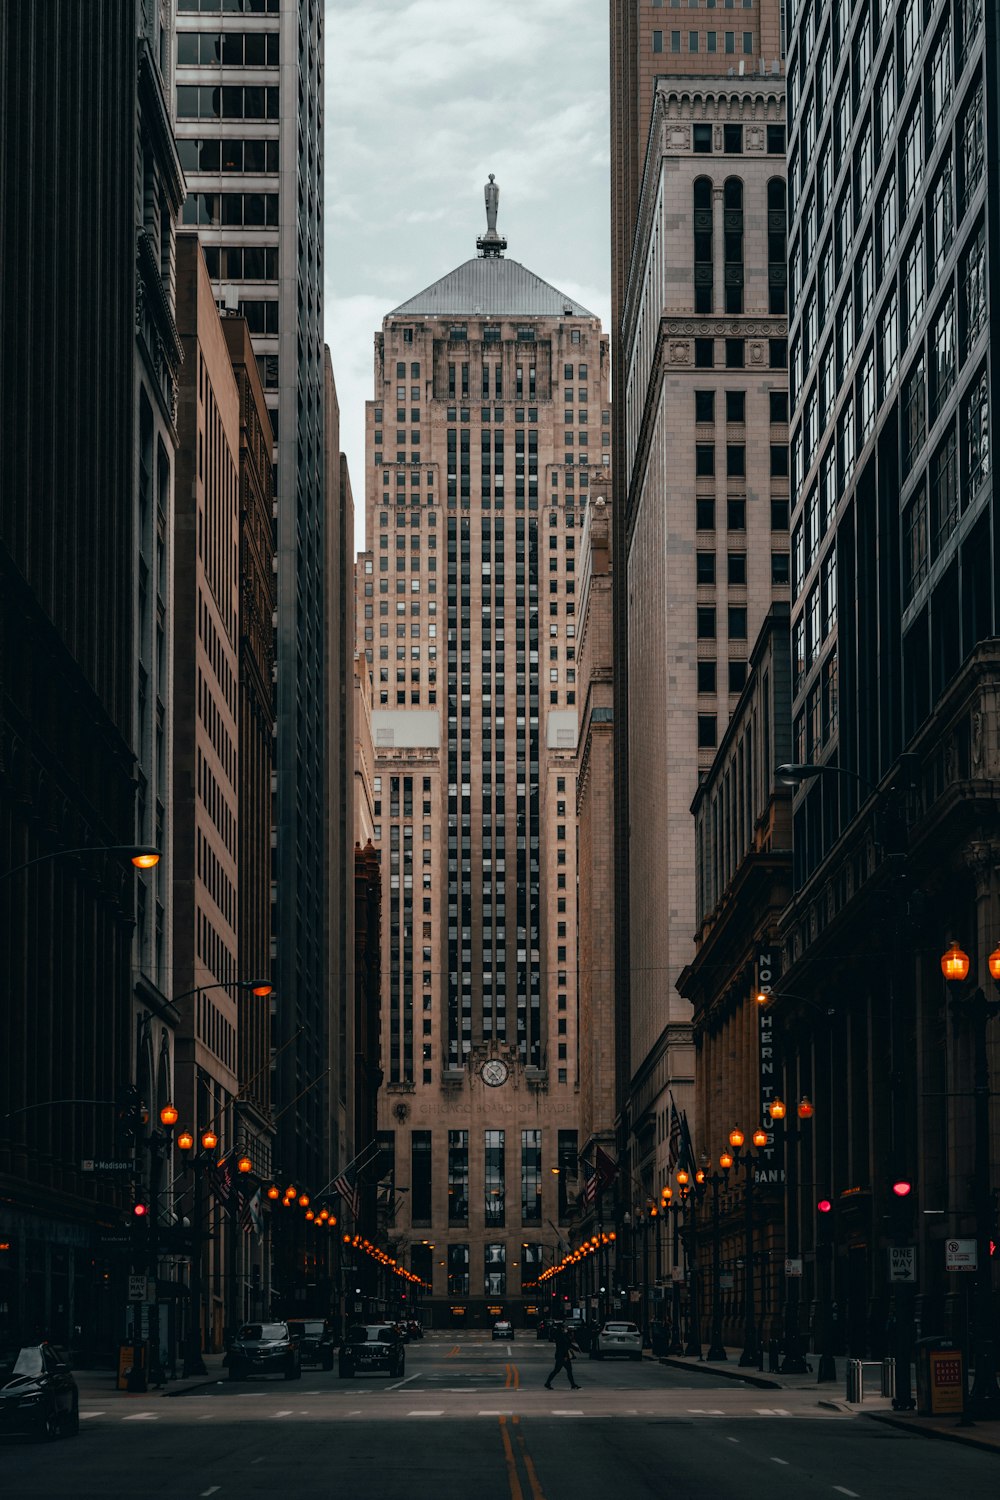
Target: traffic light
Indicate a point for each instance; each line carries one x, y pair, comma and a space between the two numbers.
901, 1207
131, 1114
139, 1210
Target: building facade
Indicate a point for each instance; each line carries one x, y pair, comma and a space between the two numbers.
893, 223
491, 401
84, 552
206, 761
249, 120
705, 543
254, 1114
743, 864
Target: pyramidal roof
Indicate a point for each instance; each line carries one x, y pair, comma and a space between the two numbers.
492, 286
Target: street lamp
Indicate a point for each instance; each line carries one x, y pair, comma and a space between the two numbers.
984, 1398
194, 1364
716, 1348
750, 1353
143, 856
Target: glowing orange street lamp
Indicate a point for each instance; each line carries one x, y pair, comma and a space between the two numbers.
994, 963
209, 1140
273, 1192
736, 1138
244, 1164
726, 1160
262, 988
185, 1140
145, 859
699, 1177
955, 964
759, 1137
303, 1200
778, 1110
168, 1115
805, 1109
683, 1178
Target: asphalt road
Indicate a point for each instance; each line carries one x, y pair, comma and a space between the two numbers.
472, 1418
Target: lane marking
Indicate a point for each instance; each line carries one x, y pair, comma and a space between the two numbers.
732, 1440
529, 1467
780, 1461
210, 1491
425, 1413
516, 1492
568, 1412
142, 1416
494, 1413
86, 1415
403, 1382
207, 1417
277, 1414
453, 1353
840, 1490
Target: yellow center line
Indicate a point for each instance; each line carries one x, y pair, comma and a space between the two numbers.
529, 1467
452, 1353
516, 1492
517, 1377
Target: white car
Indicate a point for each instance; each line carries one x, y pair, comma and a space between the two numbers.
503, 1329
619, 1338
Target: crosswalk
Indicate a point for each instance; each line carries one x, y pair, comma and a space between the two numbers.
595, 1407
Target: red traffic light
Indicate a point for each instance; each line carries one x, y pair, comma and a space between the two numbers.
824, 1206
902, 1188
139, 1210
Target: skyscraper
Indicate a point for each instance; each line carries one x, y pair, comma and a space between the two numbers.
701, 508
491, 405
249, 112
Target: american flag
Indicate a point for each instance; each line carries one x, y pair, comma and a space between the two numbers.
674, 1144
220, 1176
591, 1182
607, 1170
250, 1214
347, 1186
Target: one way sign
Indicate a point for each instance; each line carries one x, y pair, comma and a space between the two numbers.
903, 1263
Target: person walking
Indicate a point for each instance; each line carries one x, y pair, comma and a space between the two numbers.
565, 1342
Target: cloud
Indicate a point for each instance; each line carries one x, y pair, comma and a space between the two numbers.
424, 99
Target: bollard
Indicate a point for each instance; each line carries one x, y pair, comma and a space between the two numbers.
774, 1357
888, 1377
854, 1389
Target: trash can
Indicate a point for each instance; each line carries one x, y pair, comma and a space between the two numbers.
940, 1378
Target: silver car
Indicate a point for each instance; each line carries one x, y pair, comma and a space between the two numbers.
619, 1338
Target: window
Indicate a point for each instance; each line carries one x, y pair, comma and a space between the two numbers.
702, 132
736, 403
735, 359
776, 140
706, 622
938, 86
705, 513
943, 479
708, 733
971, 145
916, 560
777, 276
914, 413
736, 569
973, 284
733, 239
531, 1176
657, 41
732, 138
976, 436
779, 515
458, 1270
495, 1176
704, 460
736, 514
737, 622
705, 568
420, 1177
706, 676
737, 676
736, 460
941, 218
703, 255
913, 287
778, 401
941, 356
911, 160
779, 459
704, 406
458, 1177
779, 567
704, 354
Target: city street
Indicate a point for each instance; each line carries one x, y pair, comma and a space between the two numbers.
473, 1417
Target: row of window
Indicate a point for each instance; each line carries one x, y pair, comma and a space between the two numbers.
736, 406
252, 154
736, 569
736, 460
736, 513
230, 7
711, 38
233, 102
230, 49
232, 210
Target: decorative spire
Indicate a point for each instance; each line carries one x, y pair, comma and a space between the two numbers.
491, 243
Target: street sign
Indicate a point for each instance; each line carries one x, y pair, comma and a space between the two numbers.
793, 1265
961, 1255
727, 1280
903, 1263
114, 1241
106, 1164
137, 1288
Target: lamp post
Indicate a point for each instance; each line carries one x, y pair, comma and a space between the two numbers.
667, 1200
194, 1364
691, 1195
716, 1348
751, 1352
143, 856
977, 1010
793, 1360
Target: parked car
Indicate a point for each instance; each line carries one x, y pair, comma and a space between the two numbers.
618, 1338
372, 1346
264, 1349
315, 1340
38, 1395
503, 1329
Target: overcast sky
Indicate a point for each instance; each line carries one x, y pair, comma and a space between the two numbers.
424, 98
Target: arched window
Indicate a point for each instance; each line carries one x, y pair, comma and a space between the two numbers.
777, 234
703, 245
733, 223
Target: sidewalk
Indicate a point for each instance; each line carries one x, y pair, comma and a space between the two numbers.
102, 1385
985, 1435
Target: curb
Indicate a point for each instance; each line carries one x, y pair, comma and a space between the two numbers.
949, 1435
719, 1369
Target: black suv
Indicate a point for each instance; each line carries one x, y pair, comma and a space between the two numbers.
264, 1349
315, 1340
372, 1346
37, 1392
